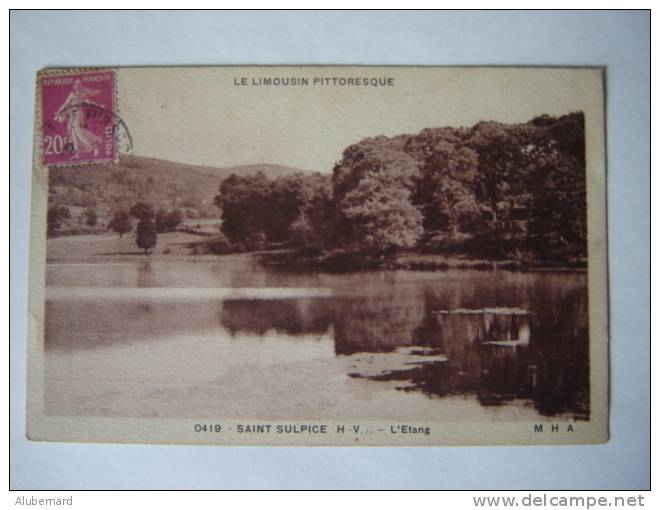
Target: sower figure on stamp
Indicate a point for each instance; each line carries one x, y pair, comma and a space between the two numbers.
81, 139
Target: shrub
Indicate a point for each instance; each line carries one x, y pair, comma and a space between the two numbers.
220, 245
56, 216
255, 241
239, 247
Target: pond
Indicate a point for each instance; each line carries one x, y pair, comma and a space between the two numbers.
234, 339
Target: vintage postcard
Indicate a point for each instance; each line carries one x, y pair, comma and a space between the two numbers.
312, 255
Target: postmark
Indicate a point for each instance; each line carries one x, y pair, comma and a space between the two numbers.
79, 118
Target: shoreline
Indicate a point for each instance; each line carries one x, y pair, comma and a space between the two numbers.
412, 261
284, 260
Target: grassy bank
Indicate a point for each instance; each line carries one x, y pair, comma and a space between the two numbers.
191, 247
109, 247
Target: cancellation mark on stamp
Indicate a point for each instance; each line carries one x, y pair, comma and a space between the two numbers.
80, 123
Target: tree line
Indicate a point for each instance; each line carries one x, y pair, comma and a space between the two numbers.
492, 191
150, 222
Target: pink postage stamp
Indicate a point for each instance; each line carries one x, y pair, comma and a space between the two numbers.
78, 117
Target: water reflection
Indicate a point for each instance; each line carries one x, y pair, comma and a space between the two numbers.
535, 350
498, 337
145, 274
289, 316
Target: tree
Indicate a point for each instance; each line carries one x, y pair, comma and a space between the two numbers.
300, 231
553, 156
370, 156
324, 219
256, 206
146, 235
380, 215
284, 198
120, 223
452, 205
372, 188
56, 215
161, 220
142, 211
445, 192
167, 221
174, 219
242, 200
499, 161
90, 217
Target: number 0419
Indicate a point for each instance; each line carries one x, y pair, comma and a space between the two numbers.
211, 427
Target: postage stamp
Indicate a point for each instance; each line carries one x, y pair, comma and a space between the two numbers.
314, 255
78, 117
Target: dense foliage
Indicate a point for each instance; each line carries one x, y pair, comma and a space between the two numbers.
492, 191
120, 222
146, 236
167, 221
256, 209
106, 189
57, 214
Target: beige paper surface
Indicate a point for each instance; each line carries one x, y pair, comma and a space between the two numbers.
445, 285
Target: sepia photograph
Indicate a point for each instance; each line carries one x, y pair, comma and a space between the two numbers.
319, 255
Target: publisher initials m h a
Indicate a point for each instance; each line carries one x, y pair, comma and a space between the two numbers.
538, 427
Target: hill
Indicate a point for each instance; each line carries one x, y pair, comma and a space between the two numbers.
269, 170
165, 184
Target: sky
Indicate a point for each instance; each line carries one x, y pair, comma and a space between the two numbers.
204, 115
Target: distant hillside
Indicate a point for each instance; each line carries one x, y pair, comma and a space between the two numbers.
165, 184
269, 170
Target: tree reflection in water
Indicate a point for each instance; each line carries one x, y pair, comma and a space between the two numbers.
533, 348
